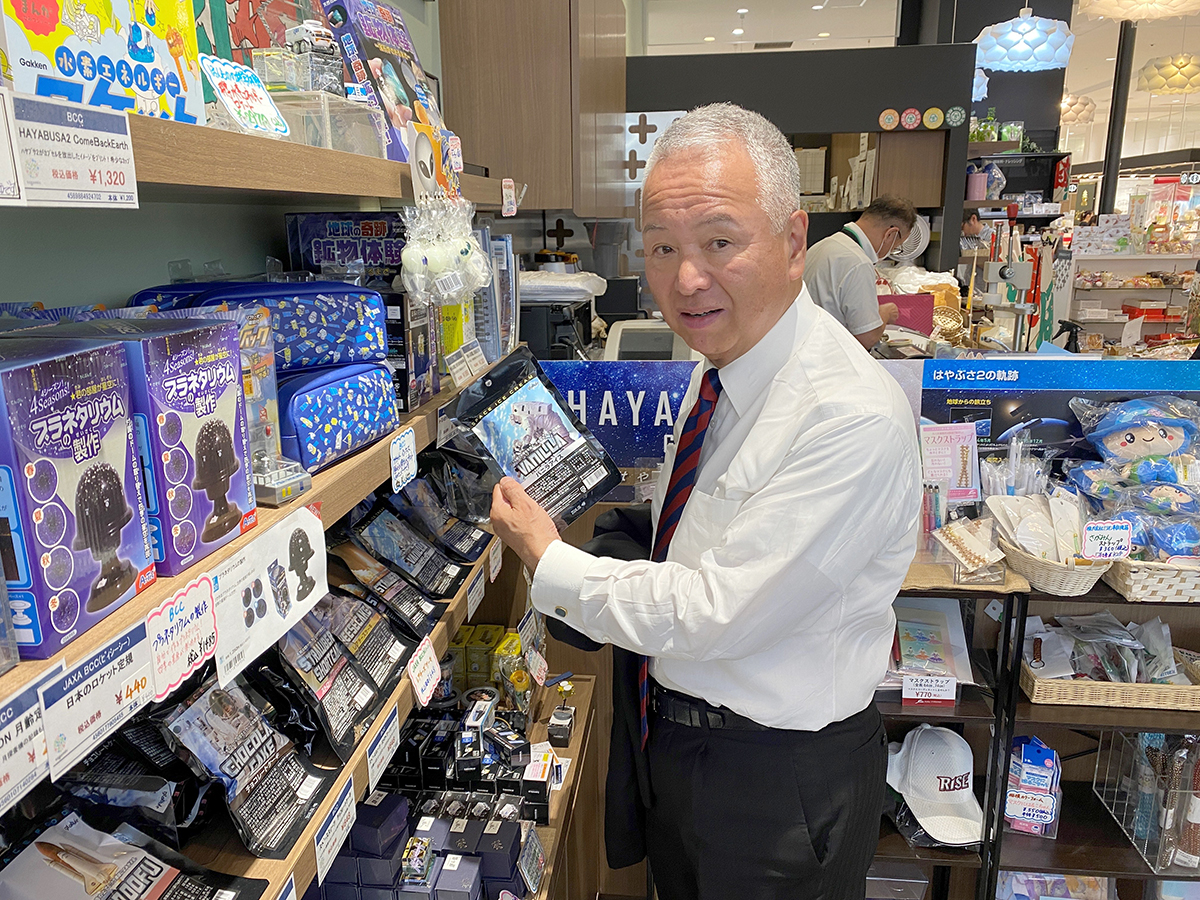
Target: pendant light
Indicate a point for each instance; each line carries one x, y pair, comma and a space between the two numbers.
1078, 110
1027, 43
1135, 10
1178, 74
979, 88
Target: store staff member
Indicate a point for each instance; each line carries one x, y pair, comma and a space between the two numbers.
786, 519
840, 272
976, 235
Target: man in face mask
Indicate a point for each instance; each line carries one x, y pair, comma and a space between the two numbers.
840, 273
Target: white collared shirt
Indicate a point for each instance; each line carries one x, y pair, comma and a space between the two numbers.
839, 272
775, 599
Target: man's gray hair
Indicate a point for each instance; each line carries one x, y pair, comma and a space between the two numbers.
775, 167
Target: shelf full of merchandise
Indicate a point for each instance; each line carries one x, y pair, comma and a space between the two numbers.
1111, 299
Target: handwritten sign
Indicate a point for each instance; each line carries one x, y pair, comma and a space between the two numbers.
929, 690
183, 635
94, 697
1104, 539
508, 198
404, 459
537, 666
424, 671
244, 96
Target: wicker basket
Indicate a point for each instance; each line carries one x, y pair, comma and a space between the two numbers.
1062, 579
1085, 692
1154, 582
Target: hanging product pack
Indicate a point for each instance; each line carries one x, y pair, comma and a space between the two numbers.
366, 635
419, 503
392, 540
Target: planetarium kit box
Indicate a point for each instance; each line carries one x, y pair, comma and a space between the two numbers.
190, 419
73, 535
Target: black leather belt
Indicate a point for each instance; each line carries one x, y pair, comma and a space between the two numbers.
684, 710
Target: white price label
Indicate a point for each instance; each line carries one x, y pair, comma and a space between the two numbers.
23, 755
183, 634
475, 359
508, 198
1107, 539
475, 595
495, 559
289, 889
335, 829
381, 750
460, 369
404, 459
12, 191
929, 690
450, 283
424, 671
93, 698
446, 429
537, 666
73, 155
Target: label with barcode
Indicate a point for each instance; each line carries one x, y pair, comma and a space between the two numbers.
450, 283
309, 787
375, 798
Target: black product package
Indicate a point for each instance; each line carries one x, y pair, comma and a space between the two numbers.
121, 784
67, 859
420, 505
338, 688
906, 823
391, 539
286, 705
464, 480
367, 635
527, 428
272, 791
406, 606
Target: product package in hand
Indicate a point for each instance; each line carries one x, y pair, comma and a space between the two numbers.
395, 542
463, 480
67, 859
272, 791
419, 503
336, 686
522, 423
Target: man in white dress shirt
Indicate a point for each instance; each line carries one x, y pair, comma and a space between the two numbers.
769, 622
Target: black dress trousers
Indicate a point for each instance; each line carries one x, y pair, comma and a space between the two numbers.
765, 815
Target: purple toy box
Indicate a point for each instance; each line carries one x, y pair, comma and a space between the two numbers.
321, 238
185, 381
73, 535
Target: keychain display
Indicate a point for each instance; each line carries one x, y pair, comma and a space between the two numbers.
338, 688
366, 635
271, 790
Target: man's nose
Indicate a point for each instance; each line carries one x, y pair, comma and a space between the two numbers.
692, 277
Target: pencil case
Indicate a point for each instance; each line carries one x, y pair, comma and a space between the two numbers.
327, 414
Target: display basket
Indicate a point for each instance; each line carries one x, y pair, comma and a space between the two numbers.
1152, 813
1154, 582
1085, 692
1060, 579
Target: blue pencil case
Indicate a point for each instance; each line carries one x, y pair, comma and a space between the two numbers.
169, 296
328, 413
316, 323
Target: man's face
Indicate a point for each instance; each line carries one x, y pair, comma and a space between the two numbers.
972, 226
721, 277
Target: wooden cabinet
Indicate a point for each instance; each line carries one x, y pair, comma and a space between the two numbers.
541, 85
911, 164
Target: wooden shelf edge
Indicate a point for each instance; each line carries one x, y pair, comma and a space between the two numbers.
232, 858
187, 162
979, 149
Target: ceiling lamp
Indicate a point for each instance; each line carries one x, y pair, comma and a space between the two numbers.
1138, 9
979, 89
1027, 43
1179, 74
1078, 110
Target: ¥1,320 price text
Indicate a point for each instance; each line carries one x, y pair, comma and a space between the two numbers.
107, 177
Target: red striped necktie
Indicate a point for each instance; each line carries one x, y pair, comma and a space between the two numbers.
683, 478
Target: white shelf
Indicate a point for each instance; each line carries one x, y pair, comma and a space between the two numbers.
1082, 258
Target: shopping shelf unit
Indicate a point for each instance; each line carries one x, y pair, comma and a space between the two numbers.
1100, 308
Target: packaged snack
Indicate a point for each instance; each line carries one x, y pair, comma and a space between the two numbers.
393, 540
366, 634
526, 427
404, 605
343, 694
420, 505
272, 791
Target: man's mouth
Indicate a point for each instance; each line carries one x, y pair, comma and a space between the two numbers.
700, 316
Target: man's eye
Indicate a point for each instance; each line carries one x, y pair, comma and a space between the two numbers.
720, 244
662, 250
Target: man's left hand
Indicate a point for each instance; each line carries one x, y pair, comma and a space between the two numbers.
521, 523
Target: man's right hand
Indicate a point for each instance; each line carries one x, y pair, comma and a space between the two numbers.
890, 313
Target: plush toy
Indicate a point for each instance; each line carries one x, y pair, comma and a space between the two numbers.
1175, 537
1140, 539
1096, 480
1139, 438
1163, 498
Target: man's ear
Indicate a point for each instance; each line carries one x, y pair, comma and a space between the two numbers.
797, 238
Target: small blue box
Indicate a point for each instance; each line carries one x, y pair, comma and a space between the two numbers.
423, 889
437, 831
514, 883
334, 891
343, 870
380, 819
383, 871
461, 878
464, 836
375, 893
498, 847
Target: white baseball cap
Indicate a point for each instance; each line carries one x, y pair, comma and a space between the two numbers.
933, 771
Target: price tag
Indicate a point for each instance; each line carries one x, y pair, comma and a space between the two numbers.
12, 190
495, 559
183, 635
527, 628
446, 429
450, 283
335, 829
381, 750
23, 755
537, 666
929, 690
1107, 539
404, 459
93, 698
475, 595
475, 359
508, 198
289, 889
424, 671
460, 369
456, 159
74, 155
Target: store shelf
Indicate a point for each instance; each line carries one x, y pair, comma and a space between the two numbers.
1087, 290
980, 149
1089, 842
974, 706
987, 204
893, 847
1120, 718
220, 848
180, 162
933, 580
337, 490
1082, 258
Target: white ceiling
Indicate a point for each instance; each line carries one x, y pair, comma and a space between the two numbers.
680, 26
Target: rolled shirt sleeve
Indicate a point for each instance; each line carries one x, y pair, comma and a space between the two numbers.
859, 300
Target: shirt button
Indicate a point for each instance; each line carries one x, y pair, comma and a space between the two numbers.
560, 611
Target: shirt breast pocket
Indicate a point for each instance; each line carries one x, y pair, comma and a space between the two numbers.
703, 524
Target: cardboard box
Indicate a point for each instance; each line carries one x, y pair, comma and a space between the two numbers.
383, 871
479, 653
316, 239
69, 460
